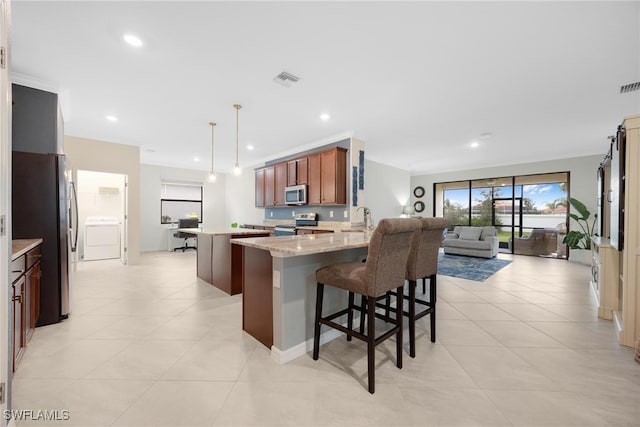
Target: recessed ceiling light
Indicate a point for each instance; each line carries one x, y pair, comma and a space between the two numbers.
132, 40
250, 147
474, 144
324, 117
111, 118
195, 159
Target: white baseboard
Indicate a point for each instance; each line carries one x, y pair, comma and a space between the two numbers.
296, 351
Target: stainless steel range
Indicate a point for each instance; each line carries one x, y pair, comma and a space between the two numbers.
305, 219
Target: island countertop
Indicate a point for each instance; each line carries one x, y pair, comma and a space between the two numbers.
306, 244
222, 231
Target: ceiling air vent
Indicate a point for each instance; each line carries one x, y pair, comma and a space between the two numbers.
286, 79
630, 87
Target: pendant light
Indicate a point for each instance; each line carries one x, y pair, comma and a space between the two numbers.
212, 174
236, 168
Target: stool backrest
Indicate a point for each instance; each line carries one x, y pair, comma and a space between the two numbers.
388, 253
423, 257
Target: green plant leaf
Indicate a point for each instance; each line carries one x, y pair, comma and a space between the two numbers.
580, 207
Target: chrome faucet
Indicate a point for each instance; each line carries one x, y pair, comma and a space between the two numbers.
368, 221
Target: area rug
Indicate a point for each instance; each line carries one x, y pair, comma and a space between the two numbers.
471, 268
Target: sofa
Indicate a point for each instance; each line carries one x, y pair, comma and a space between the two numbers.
472, 241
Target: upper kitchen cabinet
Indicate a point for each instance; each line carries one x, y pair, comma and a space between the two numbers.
314, 179
324, 172
269, 186
280, 184
333, 178
297, 171
37, 125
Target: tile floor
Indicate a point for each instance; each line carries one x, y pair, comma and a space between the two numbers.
147, 345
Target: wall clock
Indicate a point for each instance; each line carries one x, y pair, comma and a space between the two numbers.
418, 192
418, 206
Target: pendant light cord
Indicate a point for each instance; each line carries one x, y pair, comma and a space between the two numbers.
213, 125
237, 107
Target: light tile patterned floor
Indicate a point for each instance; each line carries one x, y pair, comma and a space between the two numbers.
148, 345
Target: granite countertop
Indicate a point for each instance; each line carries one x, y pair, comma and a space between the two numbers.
306, 244
222, 231
22, 246
336, 229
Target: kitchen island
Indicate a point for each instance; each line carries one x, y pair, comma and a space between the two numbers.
279, 286
219, 263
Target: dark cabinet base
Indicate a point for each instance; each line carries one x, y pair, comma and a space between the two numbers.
257, 295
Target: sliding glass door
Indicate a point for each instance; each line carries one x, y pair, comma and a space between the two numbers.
529, 211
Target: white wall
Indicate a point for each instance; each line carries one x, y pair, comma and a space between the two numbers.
100, 156
583, 184
387, 189
153, 235
240, 199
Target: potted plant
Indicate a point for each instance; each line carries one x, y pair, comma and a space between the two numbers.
579, 241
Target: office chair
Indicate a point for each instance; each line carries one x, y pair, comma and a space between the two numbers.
186, 223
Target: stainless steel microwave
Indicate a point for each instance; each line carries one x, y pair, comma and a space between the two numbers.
295, 195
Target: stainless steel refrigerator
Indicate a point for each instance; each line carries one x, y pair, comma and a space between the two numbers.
43, 206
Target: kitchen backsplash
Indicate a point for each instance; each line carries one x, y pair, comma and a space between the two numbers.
324, 212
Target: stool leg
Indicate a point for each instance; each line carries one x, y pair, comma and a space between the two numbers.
387, 303
350, 314
432, 301
316, 330
371, 346
363, 307
412, 317
399, 317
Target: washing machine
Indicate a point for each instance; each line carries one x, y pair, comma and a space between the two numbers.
101, 238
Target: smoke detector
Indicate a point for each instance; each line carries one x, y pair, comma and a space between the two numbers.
630, 87
286, 79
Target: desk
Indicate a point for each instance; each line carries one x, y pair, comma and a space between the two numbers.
279, 288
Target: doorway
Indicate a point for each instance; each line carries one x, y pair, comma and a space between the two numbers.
102, 216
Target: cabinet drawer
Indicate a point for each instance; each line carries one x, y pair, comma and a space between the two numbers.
33, 256
17, 268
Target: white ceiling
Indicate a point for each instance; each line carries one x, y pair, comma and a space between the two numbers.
417, 81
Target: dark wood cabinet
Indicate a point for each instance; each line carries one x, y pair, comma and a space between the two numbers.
333, 183
292, 172
325, 174
269, 186
301, 173
259, 188
37, 124
32, 299
314, 175
19, 338
25, 297
280, 183
297, 171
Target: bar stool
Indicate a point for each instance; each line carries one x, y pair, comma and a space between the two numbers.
423, 263
384, 269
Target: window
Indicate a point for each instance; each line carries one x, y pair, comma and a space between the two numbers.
518, 206
180, 201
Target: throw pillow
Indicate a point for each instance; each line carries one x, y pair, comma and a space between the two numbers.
487, 232
470, 233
